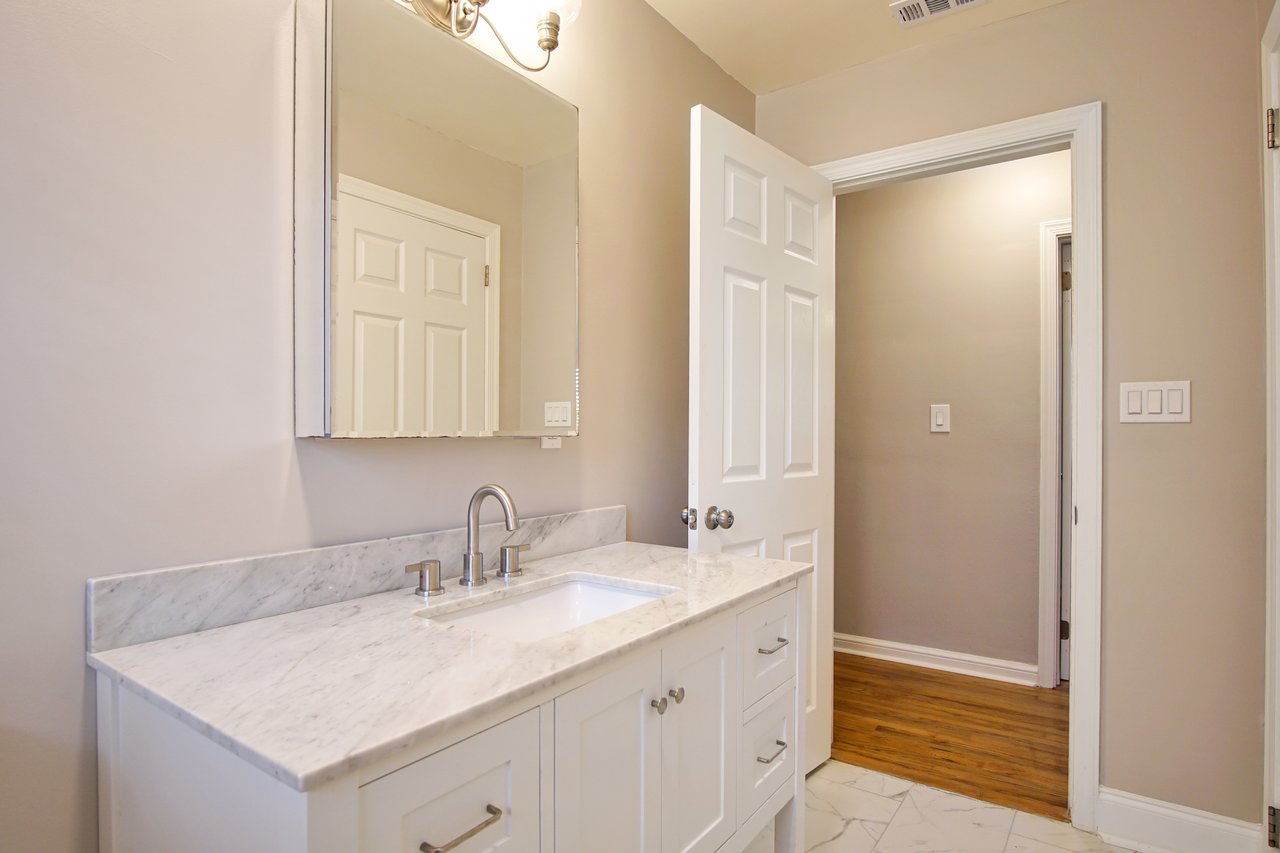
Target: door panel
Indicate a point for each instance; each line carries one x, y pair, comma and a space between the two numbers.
608, 760
762, 371
698, 750
410, 332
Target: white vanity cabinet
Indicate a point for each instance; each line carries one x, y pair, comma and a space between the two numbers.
683, 745
645, 755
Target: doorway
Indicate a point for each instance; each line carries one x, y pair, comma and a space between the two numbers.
948, 478
1079, 129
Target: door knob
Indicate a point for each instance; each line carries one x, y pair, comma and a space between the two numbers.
689, 515
717, 517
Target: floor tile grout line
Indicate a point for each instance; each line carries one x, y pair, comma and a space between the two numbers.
894, 816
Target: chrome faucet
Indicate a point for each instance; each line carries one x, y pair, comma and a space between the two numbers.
473, 560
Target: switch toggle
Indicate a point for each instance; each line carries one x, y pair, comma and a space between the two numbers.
940, 417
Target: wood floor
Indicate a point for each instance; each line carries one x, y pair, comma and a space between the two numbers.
997, 742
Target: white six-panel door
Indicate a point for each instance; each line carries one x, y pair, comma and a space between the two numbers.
412, 322
761, 380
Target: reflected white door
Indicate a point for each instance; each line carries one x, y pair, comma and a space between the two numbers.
761, 379
410, 336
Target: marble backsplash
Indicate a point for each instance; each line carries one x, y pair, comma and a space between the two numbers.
138, 607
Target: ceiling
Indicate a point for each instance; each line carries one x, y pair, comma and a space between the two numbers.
765, 50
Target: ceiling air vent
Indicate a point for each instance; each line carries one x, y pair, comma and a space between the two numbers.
911, 12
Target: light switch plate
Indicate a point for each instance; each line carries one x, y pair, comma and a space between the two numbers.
1167, 402
940, 417
556, 414
549, 442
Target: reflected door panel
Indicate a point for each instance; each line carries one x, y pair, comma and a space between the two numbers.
409, 338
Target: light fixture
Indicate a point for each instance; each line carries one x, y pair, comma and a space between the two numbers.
460, 18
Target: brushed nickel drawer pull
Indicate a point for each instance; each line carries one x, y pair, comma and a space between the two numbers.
782, 641
782, 747
495, 815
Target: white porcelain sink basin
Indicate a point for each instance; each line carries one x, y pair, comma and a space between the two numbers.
551, 610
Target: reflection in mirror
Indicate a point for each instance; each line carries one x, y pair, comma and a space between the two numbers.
454, 196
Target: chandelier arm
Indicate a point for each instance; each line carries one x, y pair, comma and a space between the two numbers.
481, 16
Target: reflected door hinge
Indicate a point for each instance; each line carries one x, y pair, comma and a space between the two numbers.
486, 275
1075, 515
1064, 630
1273, 838
1271, 129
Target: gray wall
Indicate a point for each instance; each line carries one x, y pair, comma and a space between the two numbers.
146, 350
1183, 507
938, 301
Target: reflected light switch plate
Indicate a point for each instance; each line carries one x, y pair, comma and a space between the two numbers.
556, 414
940, 417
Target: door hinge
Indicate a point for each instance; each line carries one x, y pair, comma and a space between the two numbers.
1273, 837
486, 275
1075, 515
1271, 129
1064, 630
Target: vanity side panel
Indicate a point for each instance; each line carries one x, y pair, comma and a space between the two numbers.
174, 789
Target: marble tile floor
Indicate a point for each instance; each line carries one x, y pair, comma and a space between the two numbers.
852, 810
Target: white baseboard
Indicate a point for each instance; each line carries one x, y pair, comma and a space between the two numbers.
1152, 826
1011, 671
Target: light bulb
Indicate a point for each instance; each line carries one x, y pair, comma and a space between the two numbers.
567, 9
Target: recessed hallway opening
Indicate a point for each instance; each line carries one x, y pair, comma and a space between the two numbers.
953, 534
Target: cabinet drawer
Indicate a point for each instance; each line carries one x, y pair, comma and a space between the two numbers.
767, 638
488, 781
767, 757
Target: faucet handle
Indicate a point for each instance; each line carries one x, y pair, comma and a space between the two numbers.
509, 564
428, 577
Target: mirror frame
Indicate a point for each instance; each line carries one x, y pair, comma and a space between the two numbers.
312, 235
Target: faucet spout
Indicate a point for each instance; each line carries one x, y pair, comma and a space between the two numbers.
473, 560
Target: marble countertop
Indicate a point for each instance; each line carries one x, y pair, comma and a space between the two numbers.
311, 695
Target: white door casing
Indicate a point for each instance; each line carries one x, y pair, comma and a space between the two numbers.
1271, 209
415, 323
762, 374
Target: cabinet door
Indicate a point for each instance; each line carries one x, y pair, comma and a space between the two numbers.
608, 756
699, 680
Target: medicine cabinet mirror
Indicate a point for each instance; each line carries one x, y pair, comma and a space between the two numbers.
436, 234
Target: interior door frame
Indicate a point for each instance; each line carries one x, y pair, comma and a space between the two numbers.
1270, 67
490, 232
1049, 642
1080, 130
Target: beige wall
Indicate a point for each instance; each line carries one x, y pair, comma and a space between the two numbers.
549, 312
375, 145
1183, 265
145, 333
938, 301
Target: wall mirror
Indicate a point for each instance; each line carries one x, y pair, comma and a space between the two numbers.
444, 298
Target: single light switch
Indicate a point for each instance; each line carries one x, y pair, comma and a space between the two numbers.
549, 442
1135, 402
940, 417
1167, 402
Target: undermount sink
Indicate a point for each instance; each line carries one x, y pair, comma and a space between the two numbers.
550, 610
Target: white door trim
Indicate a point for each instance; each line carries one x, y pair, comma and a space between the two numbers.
1271, 206
1080, 129
1049, 645
490, 232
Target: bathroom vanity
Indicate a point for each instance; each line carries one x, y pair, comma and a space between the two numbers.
624, 697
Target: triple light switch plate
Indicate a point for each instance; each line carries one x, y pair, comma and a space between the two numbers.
1155, 402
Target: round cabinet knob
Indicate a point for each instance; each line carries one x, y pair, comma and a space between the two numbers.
717, 517
660, 705
677, 694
